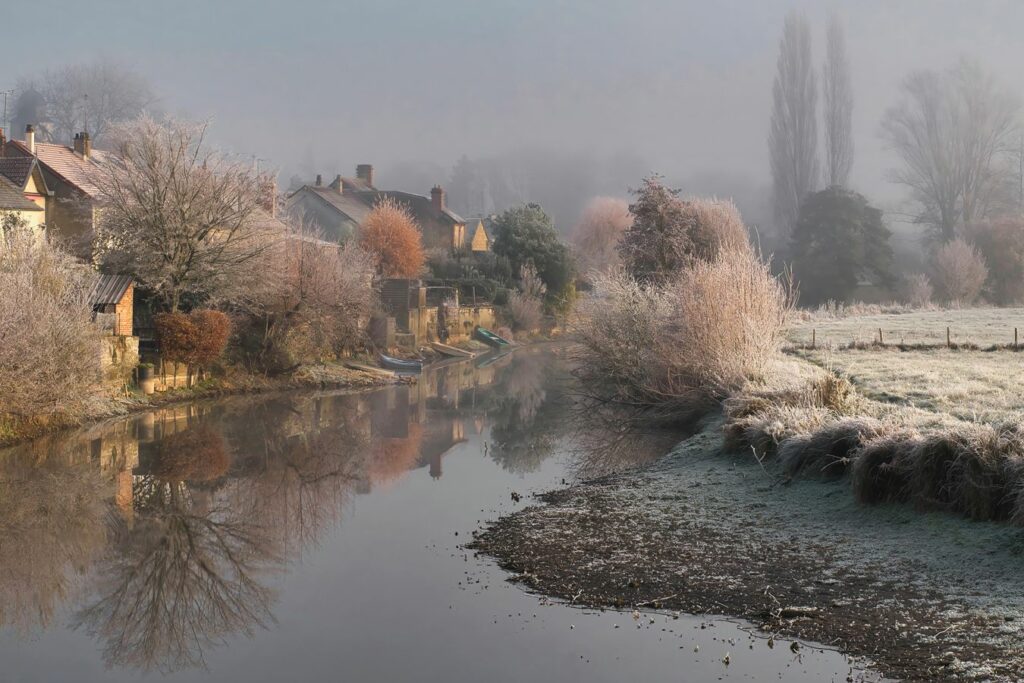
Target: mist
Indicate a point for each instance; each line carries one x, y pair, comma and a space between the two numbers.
574, 98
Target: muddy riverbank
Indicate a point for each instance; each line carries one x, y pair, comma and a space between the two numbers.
923, 596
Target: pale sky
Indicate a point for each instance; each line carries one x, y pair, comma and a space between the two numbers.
684, 86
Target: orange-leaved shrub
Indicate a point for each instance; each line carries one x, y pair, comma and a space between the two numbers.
390, 234
196, 339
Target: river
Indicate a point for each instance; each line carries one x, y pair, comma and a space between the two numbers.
318, 536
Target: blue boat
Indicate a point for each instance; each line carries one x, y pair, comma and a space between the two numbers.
400, 365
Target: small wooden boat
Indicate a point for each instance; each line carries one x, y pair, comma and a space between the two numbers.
489, 338
451, 350
400, 365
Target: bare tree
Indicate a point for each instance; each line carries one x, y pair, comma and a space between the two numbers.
313, 299
793, 139
85, 97
838, 92
955, 132
180, 217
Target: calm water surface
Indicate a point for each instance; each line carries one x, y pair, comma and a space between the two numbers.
316, 537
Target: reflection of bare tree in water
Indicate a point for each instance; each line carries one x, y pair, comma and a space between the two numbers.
51, 530
293, 476
604, 446
186, 572
528, 418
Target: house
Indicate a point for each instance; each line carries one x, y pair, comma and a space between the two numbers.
68, 175
479, 232
25, 174
338, 209
13, 202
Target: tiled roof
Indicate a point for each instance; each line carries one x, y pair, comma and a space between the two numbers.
63, 161
17, 169
12, 199
356, 185
109, 290
422, 209
347, 203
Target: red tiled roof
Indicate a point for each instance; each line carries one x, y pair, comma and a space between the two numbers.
63, 161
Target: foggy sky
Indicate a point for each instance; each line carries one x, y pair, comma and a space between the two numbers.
685, 87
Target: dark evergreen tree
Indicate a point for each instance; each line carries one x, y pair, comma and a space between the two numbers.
525, 234
839, 239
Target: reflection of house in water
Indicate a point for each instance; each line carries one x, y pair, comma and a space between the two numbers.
431, 414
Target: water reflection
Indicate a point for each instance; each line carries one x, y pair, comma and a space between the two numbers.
162, 533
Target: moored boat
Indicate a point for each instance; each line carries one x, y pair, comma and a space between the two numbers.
490, 338
400, 364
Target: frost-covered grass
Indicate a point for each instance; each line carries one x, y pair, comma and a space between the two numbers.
980, 326
980, 386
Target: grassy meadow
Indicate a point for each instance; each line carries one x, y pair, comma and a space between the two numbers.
983, 327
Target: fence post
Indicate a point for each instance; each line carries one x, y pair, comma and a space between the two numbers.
948, 344
880, 343
1015, 339
813, 338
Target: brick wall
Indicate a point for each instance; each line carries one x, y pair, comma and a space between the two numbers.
125, 310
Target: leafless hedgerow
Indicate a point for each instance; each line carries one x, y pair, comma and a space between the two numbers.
49, 347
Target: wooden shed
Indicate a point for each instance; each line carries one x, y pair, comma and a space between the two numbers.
115, 294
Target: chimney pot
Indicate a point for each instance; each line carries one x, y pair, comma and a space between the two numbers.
319, 180
30, 138
337, 184
364, 172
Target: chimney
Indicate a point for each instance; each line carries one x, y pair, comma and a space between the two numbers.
337, 183
30, 138
319, 180
3, 143
83, 145
364, 172
437, 197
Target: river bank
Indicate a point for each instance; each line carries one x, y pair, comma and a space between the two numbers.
923, 596
326, 376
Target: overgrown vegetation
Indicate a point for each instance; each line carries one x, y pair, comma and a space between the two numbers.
49, 347
673, 350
